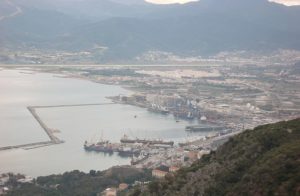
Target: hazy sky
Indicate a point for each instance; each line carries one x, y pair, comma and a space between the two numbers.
286, 2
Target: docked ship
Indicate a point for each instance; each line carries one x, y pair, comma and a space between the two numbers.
158, 109
101, 146
126, 139
128, 151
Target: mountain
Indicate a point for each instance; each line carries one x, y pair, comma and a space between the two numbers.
130, 28
262, 161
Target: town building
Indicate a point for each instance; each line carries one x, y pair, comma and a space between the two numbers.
174, 169
158, 173
123, 186
193, 155
110, 192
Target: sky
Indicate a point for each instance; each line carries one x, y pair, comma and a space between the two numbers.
285, 2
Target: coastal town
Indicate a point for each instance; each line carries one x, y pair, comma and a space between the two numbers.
237, 97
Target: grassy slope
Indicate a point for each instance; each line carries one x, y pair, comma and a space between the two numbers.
263, 161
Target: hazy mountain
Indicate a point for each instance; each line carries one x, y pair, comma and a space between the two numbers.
92, 9
130, 28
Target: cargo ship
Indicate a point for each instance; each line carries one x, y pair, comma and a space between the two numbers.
125, 139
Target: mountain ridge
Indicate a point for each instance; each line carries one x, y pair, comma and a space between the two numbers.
129, 30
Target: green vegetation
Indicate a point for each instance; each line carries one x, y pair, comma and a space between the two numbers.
262, 161
79, 183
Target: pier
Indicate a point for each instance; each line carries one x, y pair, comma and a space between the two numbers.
50, 132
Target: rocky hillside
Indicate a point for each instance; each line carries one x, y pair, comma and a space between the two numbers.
263, 161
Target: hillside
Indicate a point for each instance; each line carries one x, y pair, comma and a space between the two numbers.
263, 161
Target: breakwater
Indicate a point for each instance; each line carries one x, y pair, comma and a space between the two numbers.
50, 132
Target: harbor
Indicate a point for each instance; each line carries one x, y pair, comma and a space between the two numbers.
127, 147
73, 110
152, 153
60, 109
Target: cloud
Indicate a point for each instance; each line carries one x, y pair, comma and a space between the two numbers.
287, 2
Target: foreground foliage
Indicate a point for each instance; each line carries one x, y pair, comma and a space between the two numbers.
79, 183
